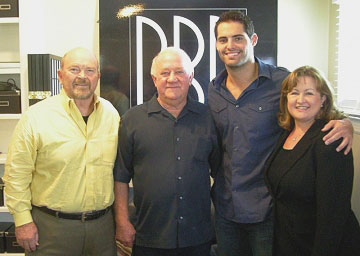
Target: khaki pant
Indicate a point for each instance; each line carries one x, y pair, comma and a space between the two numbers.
63, 237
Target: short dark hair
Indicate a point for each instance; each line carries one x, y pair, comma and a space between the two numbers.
236, 16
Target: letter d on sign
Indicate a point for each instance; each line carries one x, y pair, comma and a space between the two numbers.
139, 52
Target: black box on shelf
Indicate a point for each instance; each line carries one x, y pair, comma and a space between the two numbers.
43, 80
4, 226
9, 8
10, 102
11, 243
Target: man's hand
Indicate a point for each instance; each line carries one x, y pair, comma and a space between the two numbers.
125, 233
339, 129
27, 236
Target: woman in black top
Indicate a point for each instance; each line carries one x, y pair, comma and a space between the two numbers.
311, 183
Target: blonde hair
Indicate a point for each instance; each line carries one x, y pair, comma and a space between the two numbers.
328, 110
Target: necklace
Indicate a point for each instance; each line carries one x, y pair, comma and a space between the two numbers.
296, 137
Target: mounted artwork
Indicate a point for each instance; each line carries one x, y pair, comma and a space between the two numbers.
132, 33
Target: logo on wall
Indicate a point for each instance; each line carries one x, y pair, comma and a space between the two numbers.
132, 38
184, 29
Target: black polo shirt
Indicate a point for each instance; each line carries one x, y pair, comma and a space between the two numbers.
169, 160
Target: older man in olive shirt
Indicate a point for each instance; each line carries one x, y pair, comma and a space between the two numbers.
166, 146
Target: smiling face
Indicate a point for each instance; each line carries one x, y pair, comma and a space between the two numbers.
233, 44
79, 74
171, 79
304, 101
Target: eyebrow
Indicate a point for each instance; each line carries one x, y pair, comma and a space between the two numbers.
307, 89
230, 36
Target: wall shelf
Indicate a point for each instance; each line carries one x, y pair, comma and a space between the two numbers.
9, 71
10, 116
9, 68
9, 20
4, 209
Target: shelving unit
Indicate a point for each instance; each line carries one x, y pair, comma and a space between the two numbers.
12, 65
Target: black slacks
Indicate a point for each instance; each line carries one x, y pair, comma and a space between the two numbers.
198, 250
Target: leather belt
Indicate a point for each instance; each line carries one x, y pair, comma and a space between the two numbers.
83, 216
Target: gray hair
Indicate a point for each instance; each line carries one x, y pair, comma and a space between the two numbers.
186, 61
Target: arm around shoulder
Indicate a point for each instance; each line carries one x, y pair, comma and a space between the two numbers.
339, 129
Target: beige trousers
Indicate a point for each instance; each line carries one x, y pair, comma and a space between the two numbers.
62, 237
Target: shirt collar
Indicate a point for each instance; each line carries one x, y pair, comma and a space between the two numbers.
154, 105
263, 71
67, 101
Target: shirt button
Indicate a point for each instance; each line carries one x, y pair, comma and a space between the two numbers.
179, 178
237, 106
260, 108
178, 158
180, 197
181, 217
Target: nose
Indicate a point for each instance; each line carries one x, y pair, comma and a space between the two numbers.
300, 98
230, 43
82, 73
172, 77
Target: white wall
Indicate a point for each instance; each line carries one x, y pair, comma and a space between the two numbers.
303, 33
55, 26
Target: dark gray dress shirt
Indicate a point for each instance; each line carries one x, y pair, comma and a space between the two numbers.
169, 161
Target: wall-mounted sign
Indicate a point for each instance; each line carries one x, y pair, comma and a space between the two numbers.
131, 34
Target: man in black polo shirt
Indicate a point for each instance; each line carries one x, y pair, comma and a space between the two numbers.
167, 146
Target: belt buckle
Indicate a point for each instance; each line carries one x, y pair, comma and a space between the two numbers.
83, 217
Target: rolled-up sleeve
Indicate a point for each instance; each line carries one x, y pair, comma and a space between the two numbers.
123, 169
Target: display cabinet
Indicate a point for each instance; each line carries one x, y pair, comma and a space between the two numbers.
12, 66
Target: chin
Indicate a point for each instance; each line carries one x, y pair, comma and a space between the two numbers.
234, 64
305, 120
83, 96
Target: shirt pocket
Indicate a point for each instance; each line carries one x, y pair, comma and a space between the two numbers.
262, 119
219, 111
109, 149
202, 148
